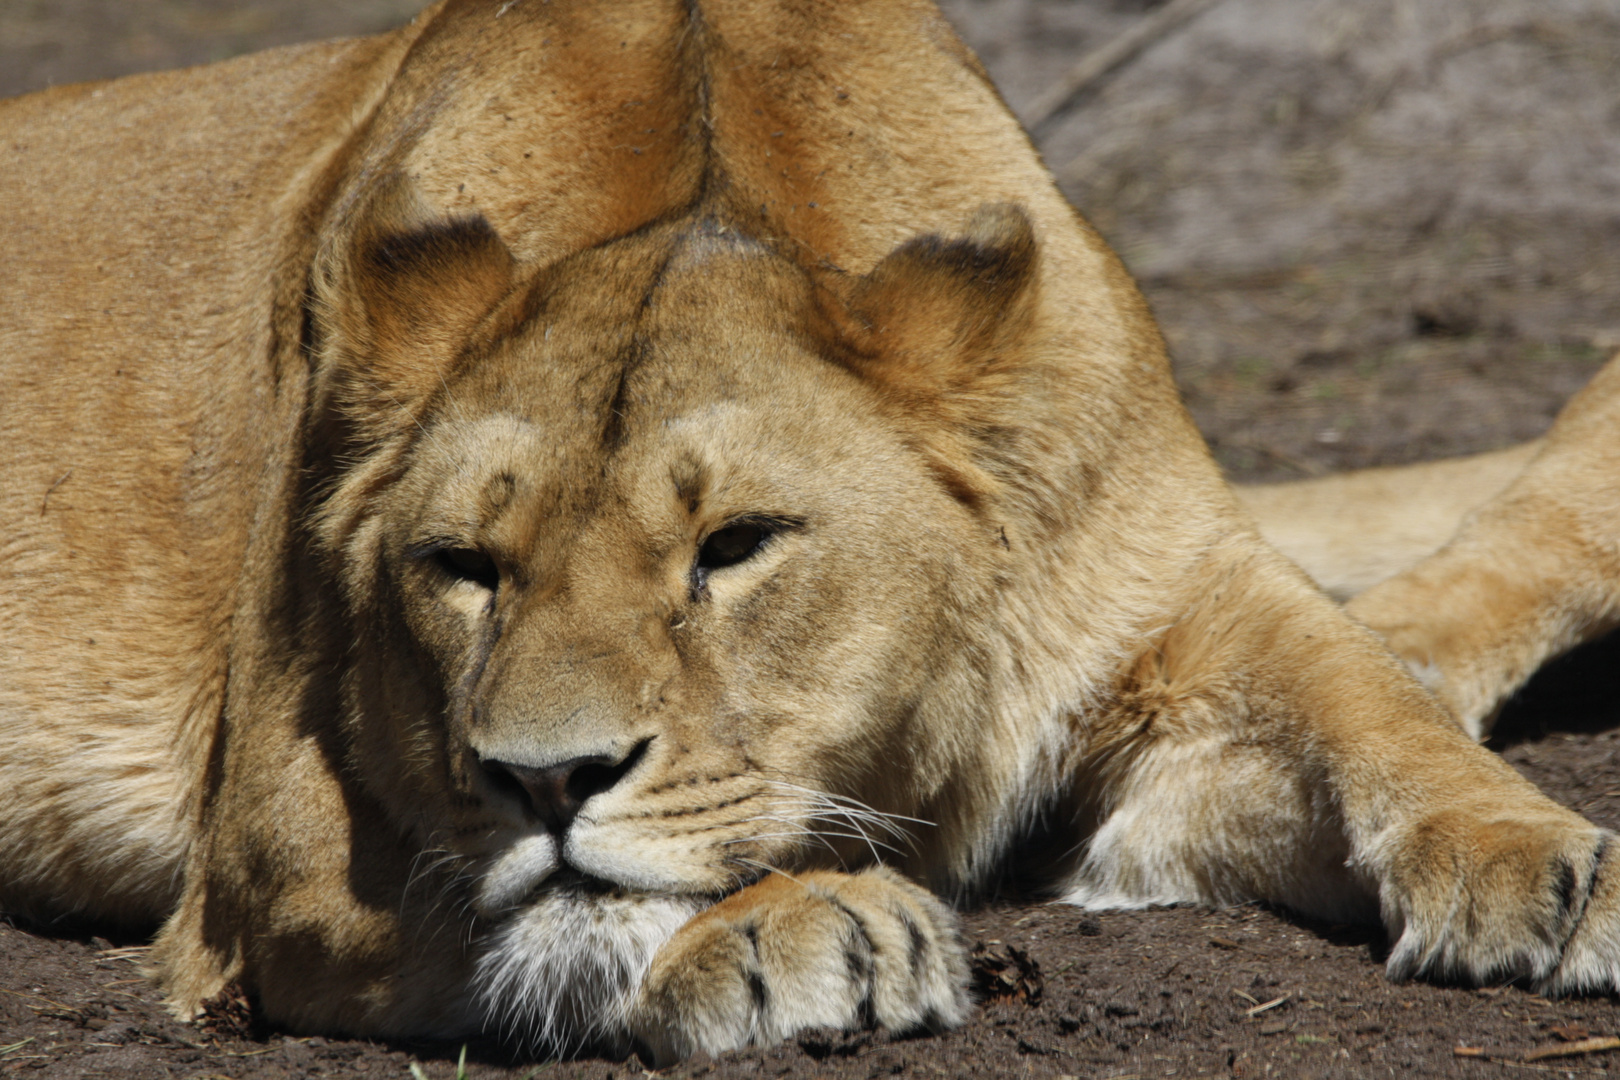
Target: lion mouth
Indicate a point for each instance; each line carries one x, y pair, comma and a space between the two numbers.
572, 879
520, 879
535, 868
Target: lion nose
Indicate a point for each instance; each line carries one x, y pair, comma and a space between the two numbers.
555, 793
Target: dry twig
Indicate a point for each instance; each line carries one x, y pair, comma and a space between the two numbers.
1268, 1006
1100, 62
1572, 1049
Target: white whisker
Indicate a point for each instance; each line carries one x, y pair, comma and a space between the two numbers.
816, 834
767, 867
843, 804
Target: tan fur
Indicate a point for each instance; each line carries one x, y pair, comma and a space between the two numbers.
1476, 570
388, 406
1350, 531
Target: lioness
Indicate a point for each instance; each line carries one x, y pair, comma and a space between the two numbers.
584, 519
1476, 570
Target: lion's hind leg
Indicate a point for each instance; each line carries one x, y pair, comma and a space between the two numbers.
1475, 570
1535, 572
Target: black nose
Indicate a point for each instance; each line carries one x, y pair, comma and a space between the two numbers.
555, 793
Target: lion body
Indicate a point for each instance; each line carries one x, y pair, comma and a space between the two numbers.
148, 407
496, 493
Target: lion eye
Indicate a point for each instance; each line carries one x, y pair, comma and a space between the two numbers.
469, 564
731, 545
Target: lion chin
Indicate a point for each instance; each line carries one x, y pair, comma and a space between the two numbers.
602, 522
562, 972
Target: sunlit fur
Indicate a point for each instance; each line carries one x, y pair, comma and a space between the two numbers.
377, 402
1476, 570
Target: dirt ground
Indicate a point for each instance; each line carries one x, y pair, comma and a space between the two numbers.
1375, 231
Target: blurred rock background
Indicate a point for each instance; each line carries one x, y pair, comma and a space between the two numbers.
1375, 231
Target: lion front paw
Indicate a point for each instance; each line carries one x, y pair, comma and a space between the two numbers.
1495, 900
1590, 962
818, 950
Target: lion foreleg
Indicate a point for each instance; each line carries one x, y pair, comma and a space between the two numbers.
1218, 820
1266, 749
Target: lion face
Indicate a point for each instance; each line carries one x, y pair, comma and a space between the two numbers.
665, 597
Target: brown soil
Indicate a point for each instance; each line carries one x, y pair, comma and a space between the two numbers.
1375, 231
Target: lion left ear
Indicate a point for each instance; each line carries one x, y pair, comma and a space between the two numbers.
936, 311
939, 326
398, 299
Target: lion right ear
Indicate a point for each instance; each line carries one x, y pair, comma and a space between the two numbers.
397, 301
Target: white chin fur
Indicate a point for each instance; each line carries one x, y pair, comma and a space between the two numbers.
563, 973
515, 874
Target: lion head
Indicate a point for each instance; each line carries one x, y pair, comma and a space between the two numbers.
661, 574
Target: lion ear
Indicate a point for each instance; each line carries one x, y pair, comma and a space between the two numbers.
936, 311
939, 326
398, 299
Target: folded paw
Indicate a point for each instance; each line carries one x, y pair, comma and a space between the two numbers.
817, 950
1487, 901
